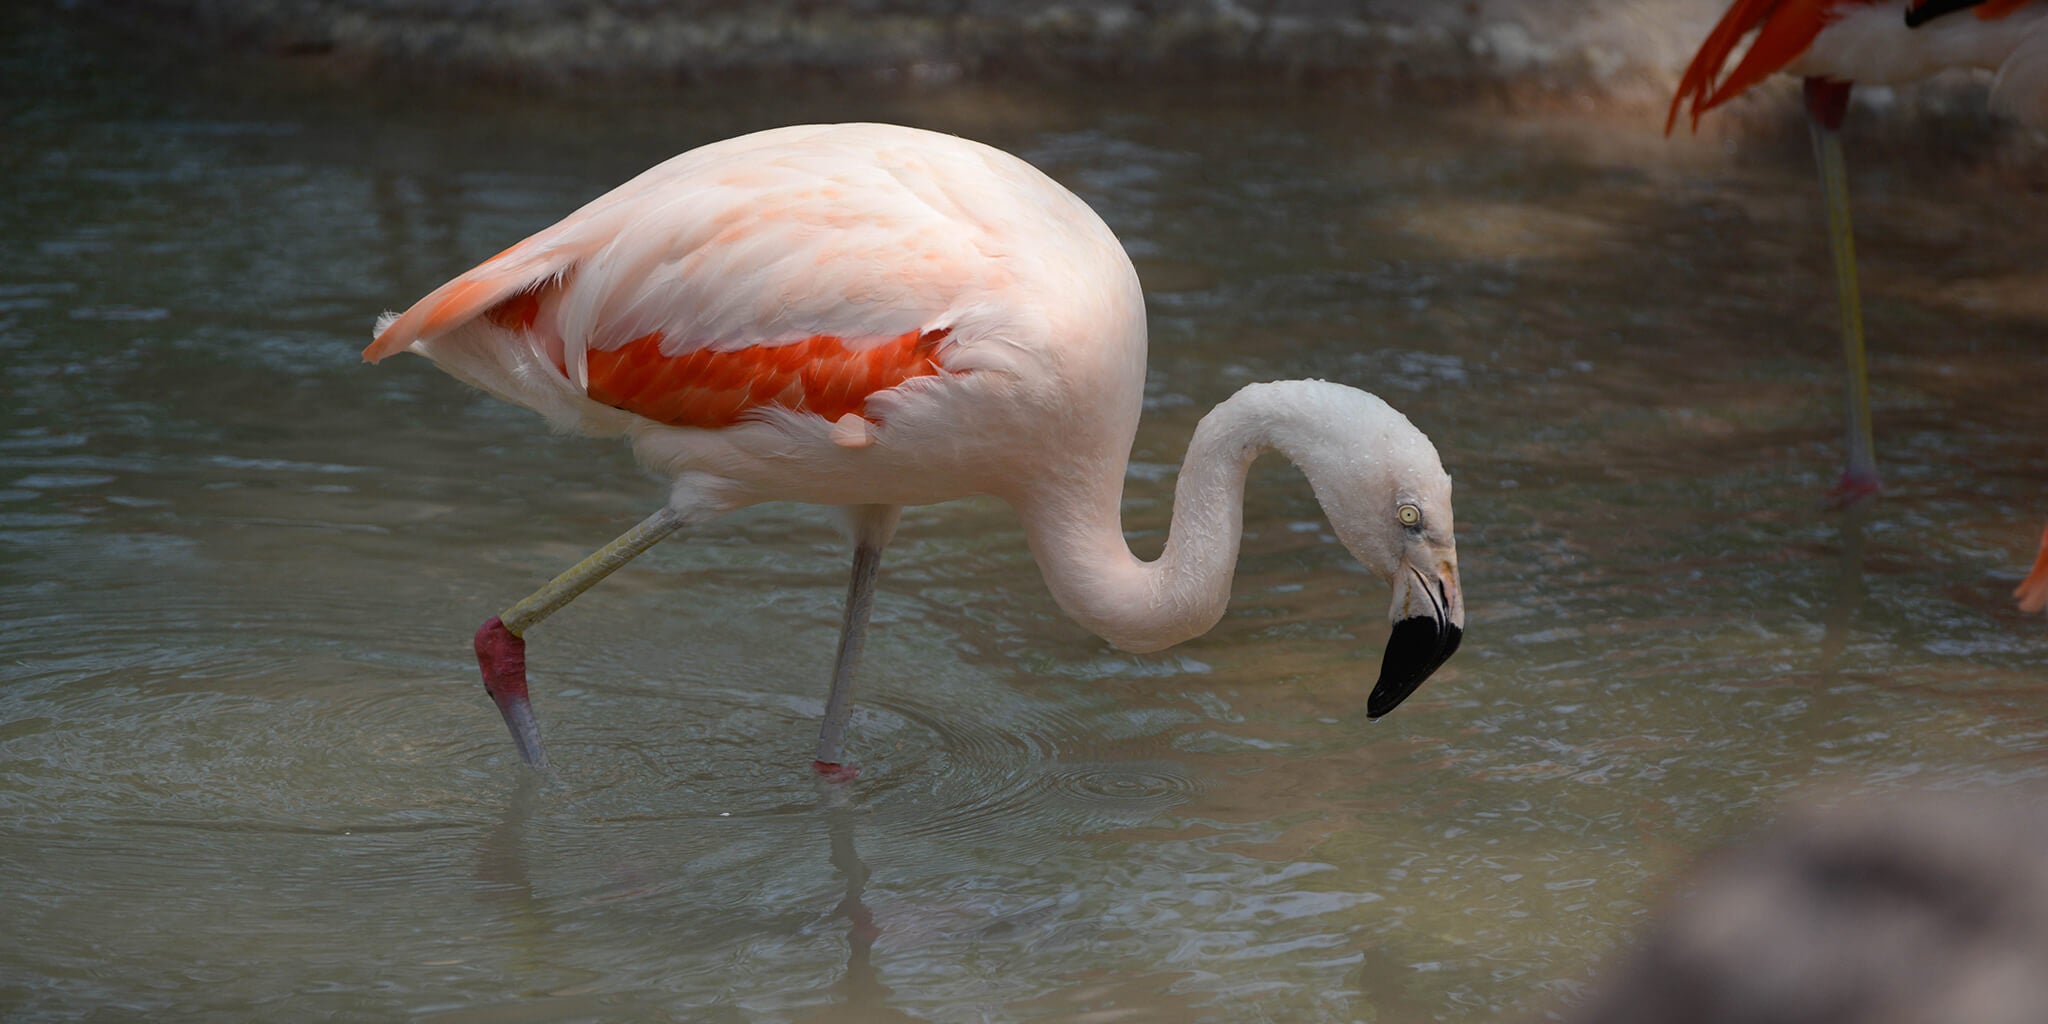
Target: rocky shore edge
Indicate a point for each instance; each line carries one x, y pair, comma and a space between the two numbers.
1519, 53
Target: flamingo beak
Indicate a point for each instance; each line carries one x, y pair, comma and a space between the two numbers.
1429, 623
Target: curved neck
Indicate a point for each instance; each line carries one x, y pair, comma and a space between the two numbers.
1076, 532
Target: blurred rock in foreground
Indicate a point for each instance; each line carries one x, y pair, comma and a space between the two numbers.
1929, 909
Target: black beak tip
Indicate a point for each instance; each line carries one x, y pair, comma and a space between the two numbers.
1418, 646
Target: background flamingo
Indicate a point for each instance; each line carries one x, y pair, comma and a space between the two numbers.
1832, 45
872, 316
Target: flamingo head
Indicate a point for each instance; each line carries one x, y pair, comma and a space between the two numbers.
1389, 501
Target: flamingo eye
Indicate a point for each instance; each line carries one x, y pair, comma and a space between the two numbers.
1409, 515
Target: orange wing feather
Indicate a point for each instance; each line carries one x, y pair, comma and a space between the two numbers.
705, 387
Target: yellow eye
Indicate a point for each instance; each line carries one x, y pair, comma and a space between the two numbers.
1410, 515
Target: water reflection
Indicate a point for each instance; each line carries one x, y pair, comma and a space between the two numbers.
1839, 618
501, 867
860, 994
531, 943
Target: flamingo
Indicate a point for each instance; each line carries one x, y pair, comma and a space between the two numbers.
870, 316
1832, 45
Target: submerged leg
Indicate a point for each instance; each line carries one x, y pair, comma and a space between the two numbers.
873, 525
1826, 103
501, 649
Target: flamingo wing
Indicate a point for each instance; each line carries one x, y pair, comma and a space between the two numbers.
798, 268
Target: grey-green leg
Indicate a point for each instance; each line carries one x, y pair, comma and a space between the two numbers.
873, 526
1825, 104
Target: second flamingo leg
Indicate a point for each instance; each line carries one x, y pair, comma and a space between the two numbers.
873, 525
500, 642
1826, 104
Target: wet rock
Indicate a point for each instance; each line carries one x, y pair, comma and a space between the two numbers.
1555, 44
1520, 53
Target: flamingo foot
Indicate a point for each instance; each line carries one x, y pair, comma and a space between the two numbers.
2033, 591
864, 928
501, 655
1854, 486
833, 772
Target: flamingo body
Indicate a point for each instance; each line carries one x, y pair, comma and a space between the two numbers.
872, 316
1870, 42
770, 285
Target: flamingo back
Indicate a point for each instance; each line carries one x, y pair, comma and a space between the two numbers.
803, 269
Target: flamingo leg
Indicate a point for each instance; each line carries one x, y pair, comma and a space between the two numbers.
1826, 103
873, 525
501, 643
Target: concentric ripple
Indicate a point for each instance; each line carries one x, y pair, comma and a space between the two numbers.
1122, 789
1023, 769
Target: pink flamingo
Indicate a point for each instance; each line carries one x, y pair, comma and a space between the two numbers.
1832, 45
871, 316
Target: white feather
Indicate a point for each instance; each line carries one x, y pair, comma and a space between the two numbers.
1869, 44
2021, 88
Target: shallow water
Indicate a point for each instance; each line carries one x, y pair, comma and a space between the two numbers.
246, 768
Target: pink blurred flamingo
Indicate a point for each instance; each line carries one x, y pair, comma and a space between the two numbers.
1833, 45
871, 316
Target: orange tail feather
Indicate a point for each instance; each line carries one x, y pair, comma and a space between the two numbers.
475, 293
1784, 29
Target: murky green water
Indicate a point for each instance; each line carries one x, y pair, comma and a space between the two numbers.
246, 770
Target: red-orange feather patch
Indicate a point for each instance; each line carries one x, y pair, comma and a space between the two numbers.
1992, 10
516, 313
709, 388
1784, 29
